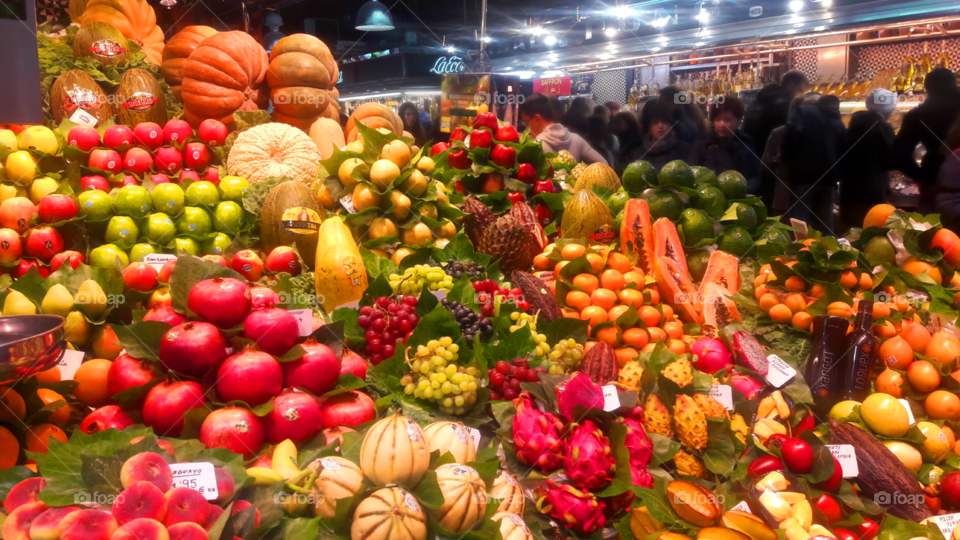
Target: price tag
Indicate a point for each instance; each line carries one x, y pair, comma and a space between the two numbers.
611, 401
743, 507
724, 394
780, 372
198, 476
475, 437
843, 241
157, 260
347, 202
83, 118
69, 364
846, 454
440, 295
801, 229
906, 405
304, 318
947, 523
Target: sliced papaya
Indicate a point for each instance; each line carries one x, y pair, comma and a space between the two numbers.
668, 244
676, 289
717, 308
636, 234
724, 270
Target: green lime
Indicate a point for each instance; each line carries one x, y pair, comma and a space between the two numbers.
617, 201
122, 229
139, 251
103, 256
733, 185
232, 188
188, 245
665, 203
777, 235
203, 193
217, 245
168, 198
619, 219
735, 241
697, 261
676, 173
760, 209
95, 205
703, 176
160, 228
194, 221
133, 201
695, 226
746, 217
639, 176
228, 217
711, 201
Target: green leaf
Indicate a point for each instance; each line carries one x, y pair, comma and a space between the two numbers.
376, 265
720, 456
142, 340
517, 344
564, 328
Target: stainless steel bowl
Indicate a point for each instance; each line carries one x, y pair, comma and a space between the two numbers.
30, 344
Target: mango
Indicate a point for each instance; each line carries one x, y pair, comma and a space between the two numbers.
885, 415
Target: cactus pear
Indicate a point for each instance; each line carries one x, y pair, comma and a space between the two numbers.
574, 508
536, 435
588, 459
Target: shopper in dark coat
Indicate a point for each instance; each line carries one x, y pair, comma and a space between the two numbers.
575, 120
928, 125
948, 181
626, 128
676, 101
660, 146
866, 160
726, 148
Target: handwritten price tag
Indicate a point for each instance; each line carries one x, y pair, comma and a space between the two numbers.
198, 476
347, 202
780, 372
304, 318
947, 523
611, 401
846, 454
724, 394
157, 260
69, 364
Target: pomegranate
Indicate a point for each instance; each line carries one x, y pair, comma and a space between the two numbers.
168, 402
353, 363
711, 355
950, 488
233, 428
295, 416
222, 301
127, 372
348, 409
274, 330
317, 370
164, 313
262, 296
192, 348
107, 417
251, 376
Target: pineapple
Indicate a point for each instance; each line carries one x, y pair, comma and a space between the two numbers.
690, 465
508, 240
710, 407
739, 427
577, 171
690, 423
630, 374
680, 372
656, 417
565, 157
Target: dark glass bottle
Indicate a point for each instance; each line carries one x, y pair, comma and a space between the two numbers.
859, 356
823, 372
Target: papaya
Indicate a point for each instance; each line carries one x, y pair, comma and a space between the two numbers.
717, 307
340, 274
722, 269
668, 244
676, 289
291, 214
636, 234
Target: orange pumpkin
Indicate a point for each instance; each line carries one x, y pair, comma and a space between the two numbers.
301, 76
134, 18
224, 74
176, 52
373, 115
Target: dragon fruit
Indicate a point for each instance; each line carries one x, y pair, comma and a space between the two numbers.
574, 508
748, 353
641, 452
579, 390
747, 385
536, 435
711, 355
588, 459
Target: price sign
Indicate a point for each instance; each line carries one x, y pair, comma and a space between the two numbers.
611, 401
724, 394
69, 364
847, 456
157, 260
347, 202
304, 318
198, 476
947, 523
780, 372
83, 118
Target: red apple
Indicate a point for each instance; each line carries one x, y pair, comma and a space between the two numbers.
164, 275
830, 508
83, 137
196, 156
74, 257
11, 247
480, 138
503, 156
106, 159
219, 259
159, 179
148, 134
212, 175
212, 132
27, 264
140, 276
90, 183
248, 264
176, 130
117, 136
137, 160
57, 207
43, 243
169, 159
283, 259
507, 133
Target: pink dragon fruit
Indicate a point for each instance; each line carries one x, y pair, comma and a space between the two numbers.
576, 509
641, 452
748, 352
536, 435
748, 385
712, 355
579, 390
588, 458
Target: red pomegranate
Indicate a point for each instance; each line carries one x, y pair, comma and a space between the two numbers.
295, 416
164, 313
233, 428
104, 418
317, 370
251, 376
192, 348
222, 301
263, 297
127, 372
168, 402
274, 330
353, 363
348, 409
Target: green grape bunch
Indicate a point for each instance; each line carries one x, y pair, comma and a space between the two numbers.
525, 320
565, 356
421, 276
436, 377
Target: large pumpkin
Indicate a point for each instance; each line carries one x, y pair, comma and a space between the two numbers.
224, 74
176, 52
273, 150
373, 115
302, 73
135, 18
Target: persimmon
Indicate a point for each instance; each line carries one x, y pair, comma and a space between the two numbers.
631, 297
916, 335
942, 405
890, 382
578, 300
802, 321
609, 335
616, 311
619, 262
38, 437
612, 279
596, 262
60, 416
656, 334
13, 409
559, 267
667, 312
896, 353
92, 390
572, 251
542, 262
674, 329
625, 354
636, 337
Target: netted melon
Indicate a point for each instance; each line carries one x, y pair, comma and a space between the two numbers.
291, 214
598, 174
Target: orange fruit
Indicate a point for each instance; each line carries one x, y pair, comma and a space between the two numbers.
879, 311
608, 334
877, 216
916, 335
650, 316
619, 262
38, 437
795, 284
594, 314
648, 347
760, 291
569, 314
677, 347
578, 300
896, 353
802, 320
634, 277
651, 295
840, 309
9, 449
848, 279
604, 298
923, 376
12, 407
780, 314
92, 390
866, 282
631, 297
796, 302
588, 345
636, 337
943, 347
674, 329
559, 267
542, 262
612, 279
656, 334
948, 433
768, 300
886, 330
586, 282
51, 375
616, 311
916, 267
667, 312
625, 354
596, 261
553, 287
902, 303
760, 280
765, 269
817, 290
942, 405
572, 251
60, 416
890, 382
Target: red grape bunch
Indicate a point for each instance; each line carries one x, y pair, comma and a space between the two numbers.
388, 321
505, 378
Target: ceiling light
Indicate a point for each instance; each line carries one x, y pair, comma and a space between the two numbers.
703, 16
826, 3
820, 29
550, 41
545, 63
700, 44
525, 74
655, 49
537, 30
796, 5
660, 23
451, 50
552, 73
374, 17
605, 56
508, 68
610, 32
620, 12
486, 39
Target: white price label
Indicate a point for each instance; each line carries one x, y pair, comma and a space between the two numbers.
611, 401
440, 295
724, 394
780, 372
69, 364
157, 260
906, 405
843, 241
801, 227
475, 437
947, 523
83, 118
846, 454
304, 318
743, 507
198, 476
347, 202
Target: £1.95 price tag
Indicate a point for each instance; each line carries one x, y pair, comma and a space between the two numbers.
198, 476
780, 372
846, 454
304, 318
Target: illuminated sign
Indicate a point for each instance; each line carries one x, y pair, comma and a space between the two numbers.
454, 64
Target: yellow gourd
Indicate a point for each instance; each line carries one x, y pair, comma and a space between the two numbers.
340, 274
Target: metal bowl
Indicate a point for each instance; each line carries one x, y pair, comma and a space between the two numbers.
29, 344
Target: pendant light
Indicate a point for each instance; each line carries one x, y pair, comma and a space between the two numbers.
374, 17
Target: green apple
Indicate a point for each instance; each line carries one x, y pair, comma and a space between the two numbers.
103, 256
203, 193
217, 245
160, 228
95, 205
228, 217
133, 201
122, 228
188, 245
232, 188
843, 409
194, 221
139, 251
168, 198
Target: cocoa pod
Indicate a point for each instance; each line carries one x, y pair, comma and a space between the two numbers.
478, 218
600, 364
528, 218
537, 293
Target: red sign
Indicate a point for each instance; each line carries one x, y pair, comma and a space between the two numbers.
558, 86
